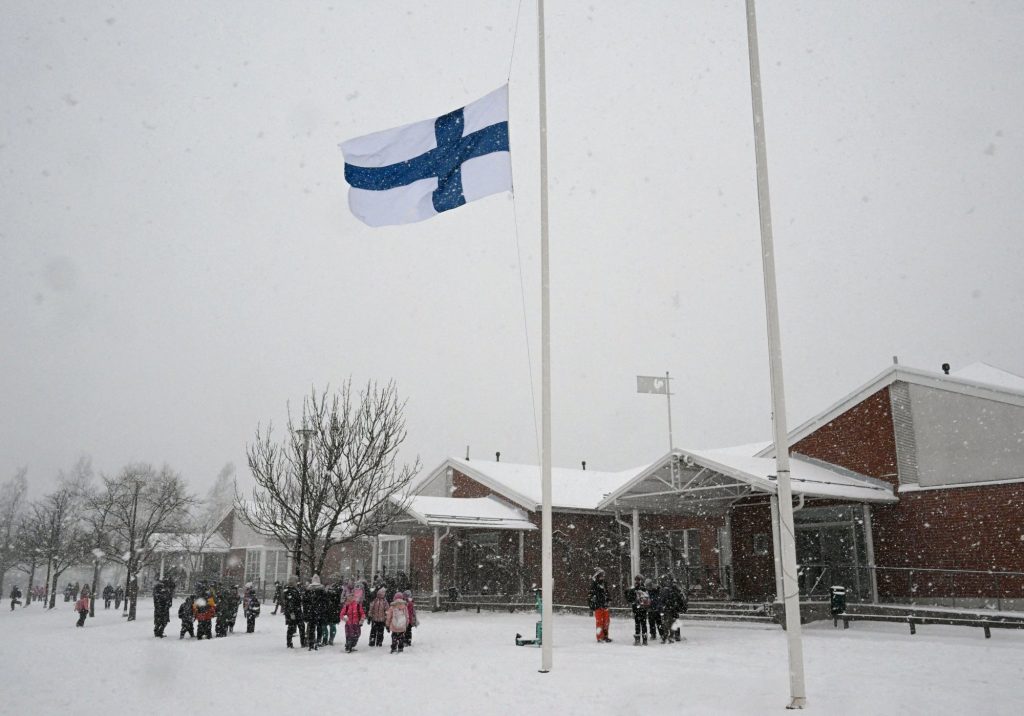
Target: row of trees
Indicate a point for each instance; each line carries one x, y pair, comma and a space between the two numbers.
121, 519
332, 478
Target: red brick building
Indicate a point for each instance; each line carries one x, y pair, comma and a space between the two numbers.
910, 488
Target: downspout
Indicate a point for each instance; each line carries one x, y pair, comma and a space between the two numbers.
438, 538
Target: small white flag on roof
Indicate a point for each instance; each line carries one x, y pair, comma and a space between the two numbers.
411, 173
651, 384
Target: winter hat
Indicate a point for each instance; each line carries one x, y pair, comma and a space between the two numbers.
315, 580
408, 594
399, 597
648, 583
382, 592
638, 579
293, 580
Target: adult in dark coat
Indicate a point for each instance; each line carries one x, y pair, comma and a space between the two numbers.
332, 613
674, 603
108, 596
228, 609
314, 609
278, 591
657, 607
118, 596
161, 608
291, 605
15, 596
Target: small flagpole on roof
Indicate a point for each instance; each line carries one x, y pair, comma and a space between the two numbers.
547, 581
790, 588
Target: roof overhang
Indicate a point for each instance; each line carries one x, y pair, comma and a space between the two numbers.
479, 513
710, 481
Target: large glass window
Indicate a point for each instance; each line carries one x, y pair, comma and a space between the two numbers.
277, 566
394, 555
252, 565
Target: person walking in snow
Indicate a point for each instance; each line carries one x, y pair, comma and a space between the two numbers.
229, 609
250, 608
82, 607
413, 621
396, 621
15, 596
204, 609
332, 613
598, 603
352, 615
291, 606
67, 592
108, 596
378, 613
639, 601
161, 608
277, 596
118, 596
187, 617
314, 605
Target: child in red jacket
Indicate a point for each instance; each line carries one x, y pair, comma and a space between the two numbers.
352, 615
82, 607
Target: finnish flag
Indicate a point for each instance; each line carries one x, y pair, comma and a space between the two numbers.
410, 173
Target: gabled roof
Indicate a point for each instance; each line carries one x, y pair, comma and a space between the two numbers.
467, 512
571, 489
978, 380
808, 477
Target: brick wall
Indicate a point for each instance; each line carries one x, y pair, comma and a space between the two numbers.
754, 574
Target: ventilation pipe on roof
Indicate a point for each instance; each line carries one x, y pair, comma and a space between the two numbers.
895, 360
584, 463
945, 368
497, 456
467, 453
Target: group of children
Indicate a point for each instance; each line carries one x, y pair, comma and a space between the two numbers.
315, 611
212, 602
656, 606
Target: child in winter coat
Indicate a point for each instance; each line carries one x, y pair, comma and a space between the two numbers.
353, 615
186, 616
397, 621
82, 607
378, 615
250, 608
413, 621
204, 609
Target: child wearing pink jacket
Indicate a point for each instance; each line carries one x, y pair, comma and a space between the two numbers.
82, 607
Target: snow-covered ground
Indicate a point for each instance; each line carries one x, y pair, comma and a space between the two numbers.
468, 664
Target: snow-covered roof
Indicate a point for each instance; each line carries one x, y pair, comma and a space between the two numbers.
728, 474
478, 512
571, 488
978, 380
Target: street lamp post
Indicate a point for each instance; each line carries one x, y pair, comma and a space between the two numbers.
305, 434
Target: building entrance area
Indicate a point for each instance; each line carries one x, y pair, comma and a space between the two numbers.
831, 550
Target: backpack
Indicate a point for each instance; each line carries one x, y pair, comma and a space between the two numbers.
643, 599
185, 611
399, 620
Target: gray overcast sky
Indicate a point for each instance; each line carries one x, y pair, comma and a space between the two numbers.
178, 261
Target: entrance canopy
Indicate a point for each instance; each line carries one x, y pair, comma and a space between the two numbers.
709, 481
485, 513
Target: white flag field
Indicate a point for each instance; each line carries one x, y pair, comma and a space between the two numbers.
652, 384
411, 173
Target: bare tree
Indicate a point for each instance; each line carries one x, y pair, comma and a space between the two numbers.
12, 503
145, 502
335, 478
63, 540
28, 544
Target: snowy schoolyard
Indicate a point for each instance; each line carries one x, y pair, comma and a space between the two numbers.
467, 663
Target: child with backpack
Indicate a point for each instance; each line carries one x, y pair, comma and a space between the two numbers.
413, 621
204, 609
82, 607
397, 621
352, 615
186, 617
378, 615
640, 600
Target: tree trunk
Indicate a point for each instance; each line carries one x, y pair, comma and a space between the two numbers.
92, 595
53, 592
46, 599
31, 579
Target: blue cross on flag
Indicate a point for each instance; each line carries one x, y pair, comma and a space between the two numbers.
410, 173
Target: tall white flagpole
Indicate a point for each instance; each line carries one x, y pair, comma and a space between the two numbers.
790, 588
547, 581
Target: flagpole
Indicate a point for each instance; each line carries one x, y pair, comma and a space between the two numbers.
547, 582
791, 594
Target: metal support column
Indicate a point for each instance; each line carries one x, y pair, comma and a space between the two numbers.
634, 545
777, 548
437, 568
869, 544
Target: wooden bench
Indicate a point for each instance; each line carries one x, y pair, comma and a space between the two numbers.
913, 621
